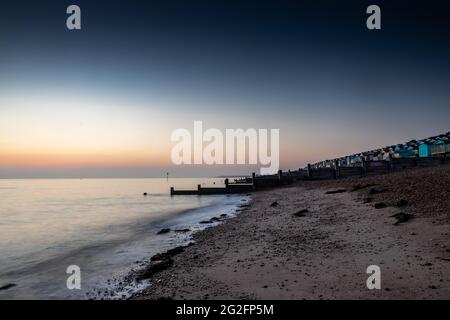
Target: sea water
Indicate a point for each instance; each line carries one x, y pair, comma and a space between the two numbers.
106, 227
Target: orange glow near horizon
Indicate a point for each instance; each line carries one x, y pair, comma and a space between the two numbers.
82, 133
39, 130
81, 160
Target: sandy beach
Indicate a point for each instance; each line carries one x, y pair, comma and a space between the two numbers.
303, 242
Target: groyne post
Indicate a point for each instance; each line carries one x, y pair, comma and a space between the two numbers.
391, 164
364, 167
336, 169
199, 189
254, 180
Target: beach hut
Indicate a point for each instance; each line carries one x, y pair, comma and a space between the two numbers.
424, 150
403, 151
356, 160
432, 148
437, 148
409, 152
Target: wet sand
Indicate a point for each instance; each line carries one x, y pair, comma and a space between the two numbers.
268, 252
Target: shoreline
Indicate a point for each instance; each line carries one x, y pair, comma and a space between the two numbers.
313, 244
181, 236
164, 260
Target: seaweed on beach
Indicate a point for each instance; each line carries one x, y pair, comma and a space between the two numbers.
160, 262
301, 213
336, 191
362, 186
402, 217
154, 268
380, 205
378, 191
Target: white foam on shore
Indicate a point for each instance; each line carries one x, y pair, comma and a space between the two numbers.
125, 287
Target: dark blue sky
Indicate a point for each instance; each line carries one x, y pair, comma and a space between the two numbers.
310, 68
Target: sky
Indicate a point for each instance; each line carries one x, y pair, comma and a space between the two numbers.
103, 101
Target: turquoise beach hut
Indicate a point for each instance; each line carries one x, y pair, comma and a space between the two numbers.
435, 148
405, 151
438, 148
424, 150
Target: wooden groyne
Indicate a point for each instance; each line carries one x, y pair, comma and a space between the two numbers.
213, 190
246, 185
429, 152
314, 172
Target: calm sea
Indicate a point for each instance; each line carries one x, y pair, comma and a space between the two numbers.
105, 226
